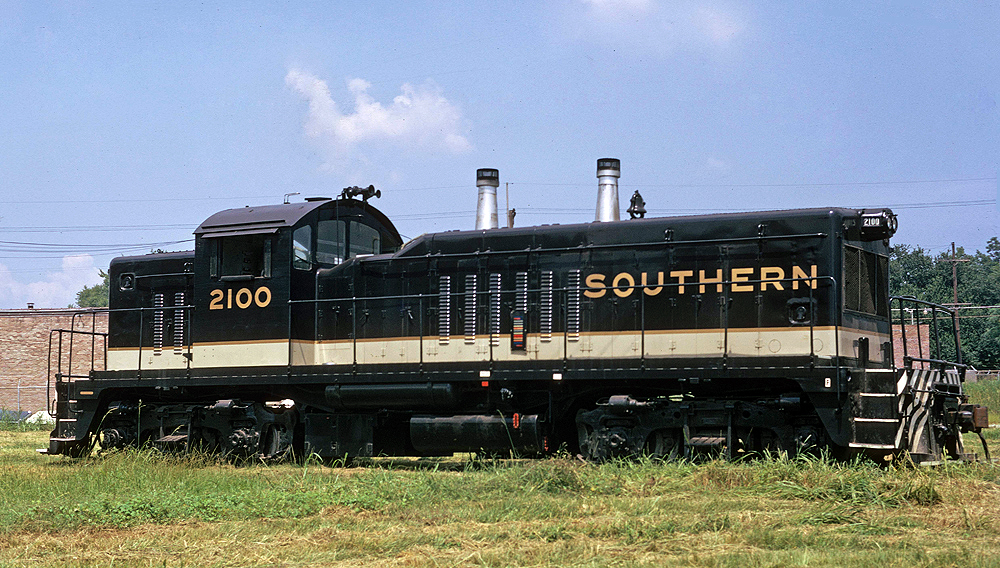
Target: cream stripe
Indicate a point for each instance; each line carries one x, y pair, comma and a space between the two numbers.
764, 342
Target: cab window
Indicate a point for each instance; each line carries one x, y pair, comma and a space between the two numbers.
338, 240
364, 239
865, 278
302, 248
331, 241
242, 257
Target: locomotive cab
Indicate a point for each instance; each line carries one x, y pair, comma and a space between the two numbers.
255, 275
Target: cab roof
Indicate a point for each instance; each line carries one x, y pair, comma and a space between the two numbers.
269, 219
263, 219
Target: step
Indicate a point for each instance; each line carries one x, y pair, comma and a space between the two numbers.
707, 441
868, 405
875, 433
172, 438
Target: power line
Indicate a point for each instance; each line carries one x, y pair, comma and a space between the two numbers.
805, 184
95, 228
430, 188
939, 204
73, 245
135, 200
57, 250
972, 203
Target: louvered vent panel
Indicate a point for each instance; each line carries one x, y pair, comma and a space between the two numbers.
470, 308
545, 307
444, 310
178, 323
495, 309
573, 315
521, 285
158, 323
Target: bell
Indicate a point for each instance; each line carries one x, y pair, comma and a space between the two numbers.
637, 207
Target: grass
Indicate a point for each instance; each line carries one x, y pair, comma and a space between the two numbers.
986, 393
10, 425
141, 508
145, 509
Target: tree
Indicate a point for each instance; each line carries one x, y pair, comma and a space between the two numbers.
993, 248
913, 272
95, 296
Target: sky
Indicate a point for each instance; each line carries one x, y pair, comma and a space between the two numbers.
123, 125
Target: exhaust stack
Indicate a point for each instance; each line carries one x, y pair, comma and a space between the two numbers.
608, 172
488, 180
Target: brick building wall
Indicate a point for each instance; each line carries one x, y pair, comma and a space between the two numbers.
913, 347
24, 352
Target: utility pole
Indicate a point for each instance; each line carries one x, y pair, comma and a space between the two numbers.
954, 260
510, 212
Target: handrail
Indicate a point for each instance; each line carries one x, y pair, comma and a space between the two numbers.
933, 358
811, 282
72, 332
59, 375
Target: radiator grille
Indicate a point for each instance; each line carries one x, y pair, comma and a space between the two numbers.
470, 308
521, 285
444, 310
545, 307
178, 323
158, 323
573, 315
495, 309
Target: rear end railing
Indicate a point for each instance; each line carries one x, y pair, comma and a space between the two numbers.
936, 333
65, 362
64, 345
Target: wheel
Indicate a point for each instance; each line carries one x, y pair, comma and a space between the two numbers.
663, 444
276, 444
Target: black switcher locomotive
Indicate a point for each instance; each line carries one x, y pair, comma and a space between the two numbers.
312, 329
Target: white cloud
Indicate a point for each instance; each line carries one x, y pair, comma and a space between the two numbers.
719, 25
55, 289
663, 26
420, 117
716, 166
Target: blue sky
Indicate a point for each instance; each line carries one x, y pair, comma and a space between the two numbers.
124, 125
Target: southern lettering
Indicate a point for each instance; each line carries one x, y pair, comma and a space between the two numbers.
741, 279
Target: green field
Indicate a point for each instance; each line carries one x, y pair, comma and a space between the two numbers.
145, 509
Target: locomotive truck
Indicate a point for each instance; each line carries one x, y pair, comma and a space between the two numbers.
311, 329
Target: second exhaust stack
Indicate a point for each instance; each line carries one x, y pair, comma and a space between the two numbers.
488, 180
608, 172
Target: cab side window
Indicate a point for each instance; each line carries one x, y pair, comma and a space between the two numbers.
241, 257
865, 277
